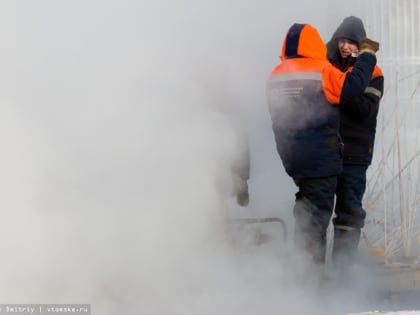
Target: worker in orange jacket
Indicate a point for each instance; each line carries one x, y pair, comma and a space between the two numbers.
302, 92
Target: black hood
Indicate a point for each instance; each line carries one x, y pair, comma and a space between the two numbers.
351, 28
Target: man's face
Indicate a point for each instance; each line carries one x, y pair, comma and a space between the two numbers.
347, 47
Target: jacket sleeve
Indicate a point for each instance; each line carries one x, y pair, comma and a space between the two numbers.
366, 105
340, 87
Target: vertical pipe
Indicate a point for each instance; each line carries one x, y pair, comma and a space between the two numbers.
391, 27
413, 28
384, 185
405, 18
416, 22
403, 213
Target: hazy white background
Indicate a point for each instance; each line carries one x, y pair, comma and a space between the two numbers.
116, 133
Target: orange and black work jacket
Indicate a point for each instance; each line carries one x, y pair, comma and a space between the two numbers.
302, 92
357, 115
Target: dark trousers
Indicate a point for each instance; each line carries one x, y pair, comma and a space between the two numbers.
349, 214
312, 211
350, 190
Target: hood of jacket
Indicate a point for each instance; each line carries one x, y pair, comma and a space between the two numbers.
303, 41
351, 28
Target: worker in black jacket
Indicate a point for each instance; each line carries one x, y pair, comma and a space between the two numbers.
357, 128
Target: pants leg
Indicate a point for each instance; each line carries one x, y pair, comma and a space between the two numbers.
312, 211
350, 190
349, 213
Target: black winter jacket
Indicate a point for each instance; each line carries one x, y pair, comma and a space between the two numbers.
358, 116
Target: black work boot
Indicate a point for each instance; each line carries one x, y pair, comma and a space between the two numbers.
346, 242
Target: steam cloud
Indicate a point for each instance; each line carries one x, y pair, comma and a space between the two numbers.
117, 129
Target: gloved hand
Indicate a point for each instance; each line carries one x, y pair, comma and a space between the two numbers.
240, 189
242, 197
368, 45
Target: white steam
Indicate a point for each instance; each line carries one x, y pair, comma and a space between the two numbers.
117, 136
